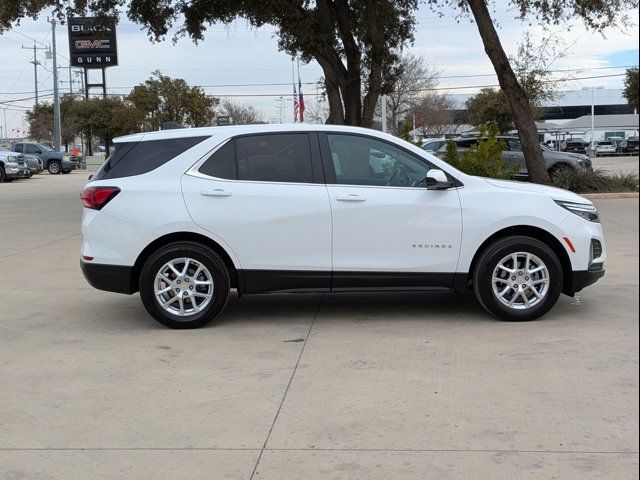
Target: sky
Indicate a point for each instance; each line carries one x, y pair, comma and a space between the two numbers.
233, 57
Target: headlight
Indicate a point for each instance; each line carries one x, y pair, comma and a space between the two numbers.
587, 211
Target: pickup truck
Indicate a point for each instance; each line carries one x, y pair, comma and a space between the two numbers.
12, 166
54, 162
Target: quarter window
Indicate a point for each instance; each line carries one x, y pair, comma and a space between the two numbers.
366, 161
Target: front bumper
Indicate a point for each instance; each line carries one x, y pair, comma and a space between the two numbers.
12, 172
111, 278
584, 278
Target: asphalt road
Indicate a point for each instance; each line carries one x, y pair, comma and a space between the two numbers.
399, 386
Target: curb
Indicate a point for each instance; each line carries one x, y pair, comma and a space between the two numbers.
610, 196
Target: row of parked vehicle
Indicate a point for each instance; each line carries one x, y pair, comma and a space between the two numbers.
512, 154
25, 159
610, 146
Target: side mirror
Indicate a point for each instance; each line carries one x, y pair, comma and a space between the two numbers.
437, 180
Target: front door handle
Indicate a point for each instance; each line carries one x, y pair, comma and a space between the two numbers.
215, 193
351, 198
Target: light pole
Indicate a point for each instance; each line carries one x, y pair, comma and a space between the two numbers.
35, 66
593, 109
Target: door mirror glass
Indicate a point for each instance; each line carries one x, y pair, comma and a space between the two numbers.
437, 180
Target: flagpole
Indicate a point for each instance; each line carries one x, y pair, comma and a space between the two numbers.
293, 81
300, 97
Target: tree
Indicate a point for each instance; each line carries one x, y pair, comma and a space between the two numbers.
596, 15
434, 114
631, 87
40, 120
240, 114
490, 105
165, 99
414, 81
107, 118
356, 42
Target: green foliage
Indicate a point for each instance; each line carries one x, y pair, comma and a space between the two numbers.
164, 99
452, 154
484, 159
490, 105
404, 134
631, 87
107, 118
597, 181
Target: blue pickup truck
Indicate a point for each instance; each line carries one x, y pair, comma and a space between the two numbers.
55, 162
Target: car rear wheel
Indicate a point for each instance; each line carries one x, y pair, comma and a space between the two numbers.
184, 285
518, 278
54, 168
3, 175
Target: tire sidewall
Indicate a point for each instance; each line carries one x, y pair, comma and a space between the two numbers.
197, 252
483, 284
54, 168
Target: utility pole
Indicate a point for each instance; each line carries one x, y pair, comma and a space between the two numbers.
57, 132
35, 66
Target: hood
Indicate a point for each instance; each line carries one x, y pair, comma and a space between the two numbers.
553, 192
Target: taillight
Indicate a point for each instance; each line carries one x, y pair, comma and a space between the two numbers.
98, 197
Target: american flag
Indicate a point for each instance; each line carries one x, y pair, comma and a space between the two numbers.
300, 104
296, 104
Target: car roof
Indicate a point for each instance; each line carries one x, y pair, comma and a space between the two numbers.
233, 130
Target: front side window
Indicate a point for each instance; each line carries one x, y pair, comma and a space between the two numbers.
32, 149
366, 161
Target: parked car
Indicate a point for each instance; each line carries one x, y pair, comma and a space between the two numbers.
55, 162
185, 215
512, 154
10, 169
18, 159
631, 146
432, 145
604, 148
575, 145
617, 142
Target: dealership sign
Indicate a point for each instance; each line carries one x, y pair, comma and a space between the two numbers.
92, 42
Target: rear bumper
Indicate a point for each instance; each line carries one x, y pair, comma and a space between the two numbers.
111, 278
583, 278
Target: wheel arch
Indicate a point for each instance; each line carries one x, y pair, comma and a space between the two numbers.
234, 275
533, 232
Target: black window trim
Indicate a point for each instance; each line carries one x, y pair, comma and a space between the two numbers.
329, 169
317, 170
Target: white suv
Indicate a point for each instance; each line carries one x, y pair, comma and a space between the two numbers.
185, 215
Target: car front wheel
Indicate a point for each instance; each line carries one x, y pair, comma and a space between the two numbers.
54, 168
518, 278
184, 285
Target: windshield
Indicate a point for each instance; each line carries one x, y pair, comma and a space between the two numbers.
45, 148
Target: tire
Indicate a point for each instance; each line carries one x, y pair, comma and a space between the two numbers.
3, 175
548, 283
54, 168
198, 255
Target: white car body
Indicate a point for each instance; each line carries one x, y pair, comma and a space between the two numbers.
605, 148
324, 236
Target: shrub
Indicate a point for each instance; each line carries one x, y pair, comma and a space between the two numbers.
597, 181
484, 159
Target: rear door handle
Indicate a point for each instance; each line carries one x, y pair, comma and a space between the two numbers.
351, 198
215, 193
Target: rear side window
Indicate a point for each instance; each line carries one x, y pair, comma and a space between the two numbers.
274, 158
17, 148
267, 158
136, 158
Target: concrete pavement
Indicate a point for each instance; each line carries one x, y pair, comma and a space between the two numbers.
407, 386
